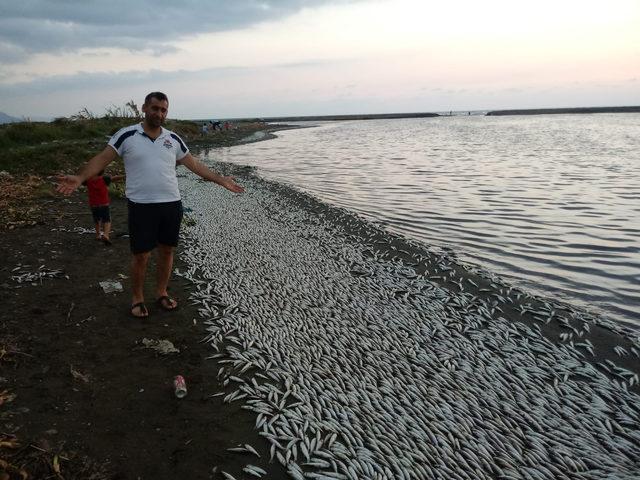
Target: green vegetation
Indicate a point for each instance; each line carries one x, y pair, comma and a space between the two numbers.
32, 151
40, 148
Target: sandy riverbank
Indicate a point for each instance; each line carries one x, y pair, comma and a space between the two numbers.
82, 392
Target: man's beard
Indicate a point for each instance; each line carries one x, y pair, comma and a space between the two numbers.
154, 121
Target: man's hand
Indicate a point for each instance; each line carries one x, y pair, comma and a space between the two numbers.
67, 184
70, 183
230, 184
205, 172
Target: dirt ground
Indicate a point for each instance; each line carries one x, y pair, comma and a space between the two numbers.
80, 395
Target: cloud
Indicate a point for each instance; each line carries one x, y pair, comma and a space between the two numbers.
57, 95
91, 80
96, 81
38, 26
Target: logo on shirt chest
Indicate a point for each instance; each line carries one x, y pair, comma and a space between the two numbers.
167, 144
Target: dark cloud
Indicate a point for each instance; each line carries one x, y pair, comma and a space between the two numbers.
32, 26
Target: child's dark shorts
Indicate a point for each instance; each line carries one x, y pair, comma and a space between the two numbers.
154, 223
101, 213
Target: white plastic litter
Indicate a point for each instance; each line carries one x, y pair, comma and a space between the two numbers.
163, 347
111, 286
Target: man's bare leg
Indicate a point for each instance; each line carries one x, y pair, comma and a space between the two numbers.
139, 263
106, 230
163, 273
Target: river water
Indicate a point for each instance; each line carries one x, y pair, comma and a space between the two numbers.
550, 203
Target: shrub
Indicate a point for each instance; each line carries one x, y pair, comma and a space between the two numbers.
27, 132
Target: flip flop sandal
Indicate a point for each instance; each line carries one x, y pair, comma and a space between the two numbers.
143, 310
165, 300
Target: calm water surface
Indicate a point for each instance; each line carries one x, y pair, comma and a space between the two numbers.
551, 203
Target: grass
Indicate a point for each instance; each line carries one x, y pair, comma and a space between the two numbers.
39, 148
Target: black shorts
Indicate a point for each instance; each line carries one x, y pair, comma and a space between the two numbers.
101, 214
154, 223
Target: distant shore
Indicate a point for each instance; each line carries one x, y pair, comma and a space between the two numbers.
392, 116
552, 111
372, 116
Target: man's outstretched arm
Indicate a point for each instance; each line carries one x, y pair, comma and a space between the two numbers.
205, 172
69, 183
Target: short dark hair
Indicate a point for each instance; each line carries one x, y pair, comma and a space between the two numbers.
157, 95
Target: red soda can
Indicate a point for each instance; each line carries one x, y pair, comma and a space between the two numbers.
179, 386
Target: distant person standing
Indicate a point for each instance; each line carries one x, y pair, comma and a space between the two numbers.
99, 202
151, 154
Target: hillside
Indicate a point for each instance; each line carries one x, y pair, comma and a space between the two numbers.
4, 118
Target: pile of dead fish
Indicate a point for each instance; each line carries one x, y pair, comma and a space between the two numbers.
359, 367
21, 275
80, 230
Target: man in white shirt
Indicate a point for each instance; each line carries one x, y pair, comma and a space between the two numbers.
151, 154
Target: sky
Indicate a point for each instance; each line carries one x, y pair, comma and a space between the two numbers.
262, 58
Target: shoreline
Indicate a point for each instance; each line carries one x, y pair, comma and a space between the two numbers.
421, 256
332, 253
60, 326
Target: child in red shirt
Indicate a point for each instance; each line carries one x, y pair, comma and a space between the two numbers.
97, 188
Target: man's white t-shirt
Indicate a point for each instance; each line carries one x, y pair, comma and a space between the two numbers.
150, 165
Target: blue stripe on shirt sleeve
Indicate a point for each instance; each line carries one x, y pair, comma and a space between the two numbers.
182, 145
122, 138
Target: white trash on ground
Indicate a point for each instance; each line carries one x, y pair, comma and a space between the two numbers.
164, 347
111, 286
